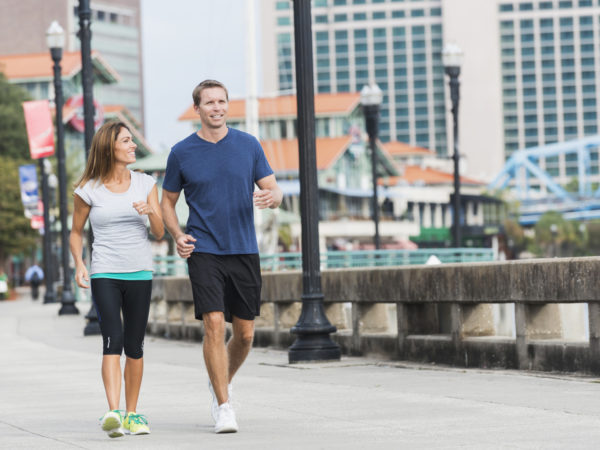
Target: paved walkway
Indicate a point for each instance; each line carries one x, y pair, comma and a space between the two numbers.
51, 397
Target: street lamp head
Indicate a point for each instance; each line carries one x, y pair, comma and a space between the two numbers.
55, 36
452, 56
371, 95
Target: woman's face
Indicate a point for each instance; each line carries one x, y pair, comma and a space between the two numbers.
125, 147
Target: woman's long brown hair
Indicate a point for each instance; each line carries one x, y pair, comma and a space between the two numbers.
101, 160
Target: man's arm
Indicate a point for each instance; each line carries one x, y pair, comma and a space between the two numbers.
269, 195
167, 206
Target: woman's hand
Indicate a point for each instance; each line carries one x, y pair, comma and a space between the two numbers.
81, 276
143, 208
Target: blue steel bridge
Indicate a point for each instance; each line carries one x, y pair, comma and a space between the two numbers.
522, 172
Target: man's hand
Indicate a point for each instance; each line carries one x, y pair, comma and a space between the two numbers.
263, 198
184, 247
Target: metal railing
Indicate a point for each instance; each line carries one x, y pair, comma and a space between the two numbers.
174, 265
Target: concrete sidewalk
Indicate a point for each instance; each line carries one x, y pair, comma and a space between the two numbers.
51, 397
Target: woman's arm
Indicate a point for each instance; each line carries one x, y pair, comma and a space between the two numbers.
81, 212
157, 227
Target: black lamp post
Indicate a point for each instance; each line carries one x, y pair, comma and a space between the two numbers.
55, 37
50, 295
313, 342
452, 56
371, 98
87, 80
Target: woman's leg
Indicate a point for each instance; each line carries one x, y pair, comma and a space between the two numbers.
107, 298
136, 307
134, 369
111, 376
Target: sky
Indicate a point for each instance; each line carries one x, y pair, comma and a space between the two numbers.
183, 43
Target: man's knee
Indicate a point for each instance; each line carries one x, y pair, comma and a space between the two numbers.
244, 334
214, 324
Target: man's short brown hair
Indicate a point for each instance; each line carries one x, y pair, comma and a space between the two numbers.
205, 85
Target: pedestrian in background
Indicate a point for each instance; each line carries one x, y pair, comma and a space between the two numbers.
119, 204
34, 276
3, 285
217, 168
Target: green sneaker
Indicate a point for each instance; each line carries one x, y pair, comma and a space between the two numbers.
111, 423
136, 424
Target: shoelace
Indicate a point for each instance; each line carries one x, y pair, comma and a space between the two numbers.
139, 419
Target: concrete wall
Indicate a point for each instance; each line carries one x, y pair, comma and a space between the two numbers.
509, 314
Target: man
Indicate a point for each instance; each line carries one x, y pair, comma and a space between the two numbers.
217, 168
34, 275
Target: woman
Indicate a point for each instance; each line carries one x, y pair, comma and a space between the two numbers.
119, 204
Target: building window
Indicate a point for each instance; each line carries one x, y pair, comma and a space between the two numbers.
321, 19
399, 32
505, 7
282, 5
379, 15
360, 16
526, 7
360, 34
398, 14
545, 5
340, 17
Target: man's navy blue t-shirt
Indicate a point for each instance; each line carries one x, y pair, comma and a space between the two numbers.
218, 182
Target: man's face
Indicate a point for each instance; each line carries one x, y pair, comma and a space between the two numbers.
213, 107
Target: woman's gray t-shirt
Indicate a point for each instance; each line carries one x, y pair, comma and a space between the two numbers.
120, 234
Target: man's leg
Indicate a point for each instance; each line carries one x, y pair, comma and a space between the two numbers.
215, 353
240, 344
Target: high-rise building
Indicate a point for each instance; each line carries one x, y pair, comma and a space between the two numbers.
116, 34
529, 75
397, 45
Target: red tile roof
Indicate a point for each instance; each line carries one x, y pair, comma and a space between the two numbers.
283, 154
40, 65
426, 175
396, 148
285, 106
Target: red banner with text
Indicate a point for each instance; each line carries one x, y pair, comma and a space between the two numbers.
40, 130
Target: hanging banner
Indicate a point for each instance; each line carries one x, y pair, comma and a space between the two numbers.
40, 130
29, 189
37, 223
77, 121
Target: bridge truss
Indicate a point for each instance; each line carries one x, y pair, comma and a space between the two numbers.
522, 171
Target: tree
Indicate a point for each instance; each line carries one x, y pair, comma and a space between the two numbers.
555, 236
13, 134
16, 234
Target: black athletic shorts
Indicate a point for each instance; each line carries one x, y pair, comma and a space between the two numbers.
227, 283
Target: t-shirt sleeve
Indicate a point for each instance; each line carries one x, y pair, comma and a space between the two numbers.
149, 183
84, 193
262, 167
173, 181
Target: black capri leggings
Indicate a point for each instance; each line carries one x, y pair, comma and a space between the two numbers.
133, 297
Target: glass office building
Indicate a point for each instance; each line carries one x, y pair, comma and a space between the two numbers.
397, 44
550, 65
529, 77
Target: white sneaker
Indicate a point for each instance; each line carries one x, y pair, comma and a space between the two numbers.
226, 422
111, 423
214, 407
